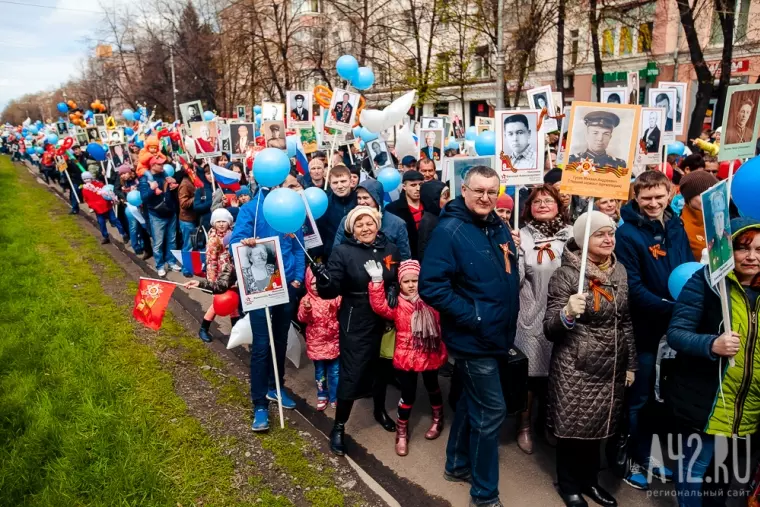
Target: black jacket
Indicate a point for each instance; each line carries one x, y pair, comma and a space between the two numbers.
328, 224
430, 196
400, 208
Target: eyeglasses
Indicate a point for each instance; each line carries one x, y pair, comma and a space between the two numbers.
492, 194
545, 202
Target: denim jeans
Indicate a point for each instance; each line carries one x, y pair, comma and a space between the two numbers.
135, 236
638, 396
186, 228
262, 369
73, 200
689, 480
163, 232
474, 438
326, 374
110, 217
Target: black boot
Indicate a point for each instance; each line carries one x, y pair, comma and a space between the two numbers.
573, 500
600, 496
385, 421
336, 439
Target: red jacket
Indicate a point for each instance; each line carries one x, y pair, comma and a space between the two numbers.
322, 328
405, 357
92, 196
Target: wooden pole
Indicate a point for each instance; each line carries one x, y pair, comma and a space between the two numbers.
276, 370
584, 256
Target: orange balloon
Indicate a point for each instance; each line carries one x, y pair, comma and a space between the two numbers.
93, 106
72, 117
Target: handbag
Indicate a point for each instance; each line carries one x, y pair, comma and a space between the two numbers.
198, 239
513, 374
388, 343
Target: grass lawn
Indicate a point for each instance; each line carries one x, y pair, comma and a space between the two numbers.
87, 416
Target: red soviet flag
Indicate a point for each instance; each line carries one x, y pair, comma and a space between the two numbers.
151, 301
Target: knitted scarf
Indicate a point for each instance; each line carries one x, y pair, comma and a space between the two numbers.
426, 335
549, 229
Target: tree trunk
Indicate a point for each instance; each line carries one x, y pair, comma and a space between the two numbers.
559, 72
725, 10
593, 23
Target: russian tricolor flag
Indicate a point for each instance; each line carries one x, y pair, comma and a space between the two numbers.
195, 259
302, 163
225, 178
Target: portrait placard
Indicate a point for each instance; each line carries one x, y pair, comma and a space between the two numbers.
240, 112
483, 123
740, 122
191, 111
342, 110
519, 147
458, 167
681, 109
116, 136
650, 136
431, 145
241, 134
718, 231
274, 134
205, 139
272, 111
433, 122
299, 109
633, 88
615, 95
311, 236
540, 98
379, 155
666, 99
260, 274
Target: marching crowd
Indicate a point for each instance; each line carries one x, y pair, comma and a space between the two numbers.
429, 279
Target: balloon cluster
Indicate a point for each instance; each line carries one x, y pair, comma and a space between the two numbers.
361, 78
98, 106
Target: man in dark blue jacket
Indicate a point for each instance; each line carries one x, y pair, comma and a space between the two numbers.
159, 198
651, 243
470, 275
341, 200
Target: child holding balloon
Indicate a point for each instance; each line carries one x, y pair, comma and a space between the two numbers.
220, 270
100, 199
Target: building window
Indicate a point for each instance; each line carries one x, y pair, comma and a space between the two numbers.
742, 20
626, 41
411, 71
608, 42
481, 66
644, 43
306, 6
443, 66
382, 77
441, 109
574, 46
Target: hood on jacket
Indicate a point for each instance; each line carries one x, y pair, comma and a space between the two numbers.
201, 174
430, 196
456, 208
630, 213
741, 224
309, 279
375, 189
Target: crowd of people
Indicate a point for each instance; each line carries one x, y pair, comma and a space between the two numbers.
434, 280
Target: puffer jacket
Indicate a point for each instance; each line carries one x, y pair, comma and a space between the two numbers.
407, 355
93, 196
322, 327
590, 358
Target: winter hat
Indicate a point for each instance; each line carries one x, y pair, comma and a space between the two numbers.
553, 176
359, 211
409, 161
86, 176
412, 176
505, 201
408, 267
598, 221
243, 191
695, 183
124, 169
157, 160
223, 215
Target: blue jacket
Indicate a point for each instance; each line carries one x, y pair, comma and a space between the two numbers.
648, 295
293, 258
151, 201
465, 278
202, 200
393, 227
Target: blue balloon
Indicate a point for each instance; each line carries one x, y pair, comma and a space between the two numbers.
88, 114
270, 167
39, 150
96, 151
257, 109
471, 133
62, 108
128, 131
361, 145
291, 143
676, 148
366, 135
317, 199
679, 277
258, 119
169, 170
208, 115
52, 138
107, 190
140, 144
744, 188
390, 178
357, 131
284, 209
28, 139
364, 80
347, 67
452, 144
128, 114
485, 143
134, 198
34, 130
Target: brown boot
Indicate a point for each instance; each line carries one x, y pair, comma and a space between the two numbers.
525, 440
437, 426
402, 437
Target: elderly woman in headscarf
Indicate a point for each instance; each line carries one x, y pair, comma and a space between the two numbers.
361, 329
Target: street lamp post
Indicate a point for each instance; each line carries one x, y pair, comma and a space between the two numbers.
500, 55
174, 83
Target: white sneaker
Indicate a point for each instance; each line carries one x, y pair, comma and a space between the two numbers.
175, 267
162, 273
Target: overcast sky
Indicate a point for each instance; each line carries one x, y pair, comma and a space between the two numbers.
42, 46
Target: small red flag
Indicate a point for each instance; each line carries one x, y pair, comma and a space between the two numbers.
151, 301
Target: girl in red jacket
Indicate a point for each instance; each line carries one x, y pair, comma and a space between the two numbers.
418, 346
100, 200
322, 330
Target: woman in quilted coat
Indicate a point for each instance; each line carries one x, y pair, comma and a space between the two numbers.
593, 360
418, 346
541, 243
322, 337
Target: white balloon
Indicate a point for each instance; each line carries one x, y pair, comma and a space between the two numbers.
373, 120
241, 333
405, 144
377, 121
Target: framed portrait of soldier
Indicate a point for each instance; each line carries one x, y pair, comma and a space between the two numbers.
650, 136
308, 139
519, 147
99, 120
378, 153
633, 87
240, 135
342, 111
205, 139
62, 128
740, 122
103, 133
601, 149
299, 109
483, 123
191, 111
717, 224
615, 95
81, 136
260, 274
240, 112
119, 154
680, 104
274, 134
431, 145
92, 134
116, 136
666, 99
272, 111
433, 122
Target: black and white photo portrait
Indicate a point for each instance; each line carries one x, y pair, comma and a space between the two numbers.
378, 153
119, 154
272, 111
680, 103
299, 108
241, 112
99, 120
261, 277
92, 134
62, 128
650, 135
116, 136
615, 95
519, 140
191, 111
241, 134
274, 134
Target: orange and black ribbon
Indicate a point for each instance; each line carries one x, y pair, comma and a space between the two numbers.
546, 247
599, 292
657, 251
507, 254
506, 163
545, 114
607, 169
